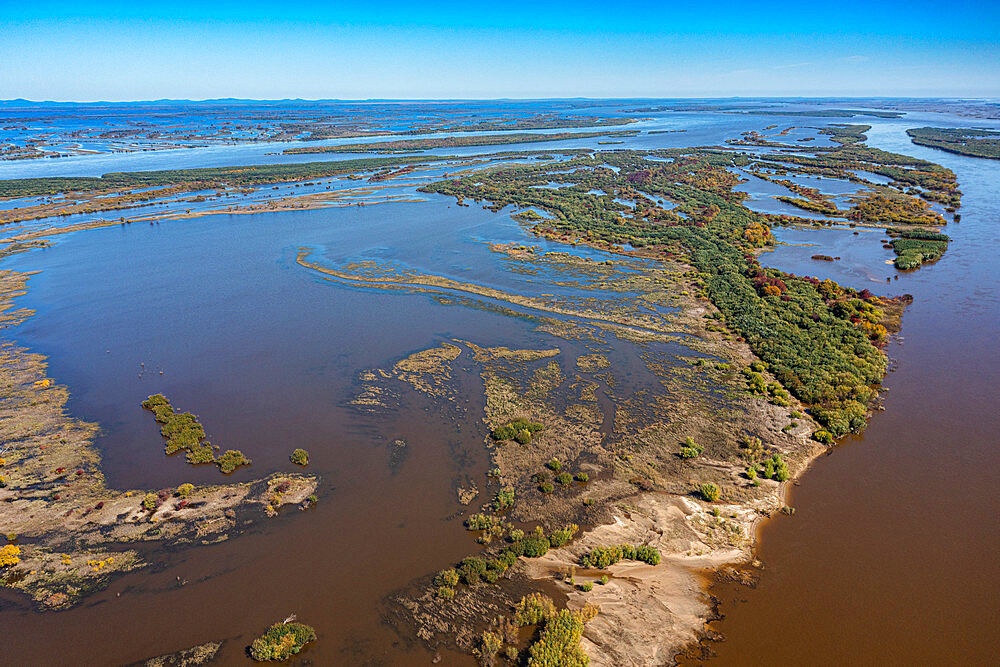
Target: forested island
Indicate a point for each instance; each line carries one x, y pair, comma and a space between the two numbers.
964, 141
410, 145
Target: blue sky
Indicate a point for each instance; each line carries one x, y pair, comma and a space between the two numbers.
109, 50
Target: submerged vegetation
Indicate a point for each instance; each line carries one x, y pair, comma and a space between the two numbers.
184, 433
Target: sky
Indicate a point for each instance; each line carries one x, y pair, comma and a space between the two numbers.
117, 51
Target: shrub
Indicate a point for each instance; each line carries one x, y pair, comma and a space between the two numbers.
447, 578
546, 487
587, 587
751, 449
533, 609
582, 477
564, 478
446, 593
231, 460
281, 641
554, 465
690, 449
778, 394
490, 644
603, 580
710, 492
504, 499
202, 453
647, 554
561, 537
602, 557
299, 457
751, 472
823, 436
10, 555
535, 546
559, 642
507, 558
471, 570
516, 535
184, 490
775, 468
481, 522
519, 429
150, 502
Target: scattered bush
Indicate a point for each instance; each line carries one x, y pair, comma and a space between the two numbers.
690, 449
504, 499
559, 642
582, 477
281, 641
710, 492
231, 460
564, 478
775, 468
533, 609
587, 587
554, 465
446, 593
535, 546
472, 570
150, 502
299, 457
507, 558
10, 555
602, 557
490, 644
519, 429
561, 537
823, 436
546, 487
481, 522
184, 490
447, 578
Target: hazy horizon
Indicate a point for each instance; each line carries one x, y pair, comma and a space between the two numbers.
400, 100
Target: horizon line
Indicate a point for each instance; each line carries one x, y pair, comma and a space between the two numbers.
370, 100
